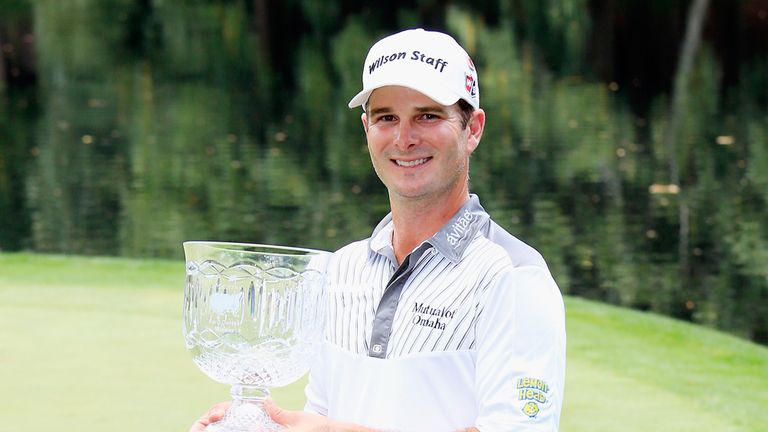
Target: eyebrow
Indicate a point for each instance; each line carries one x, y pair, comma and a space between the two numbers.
379, 110
424, 109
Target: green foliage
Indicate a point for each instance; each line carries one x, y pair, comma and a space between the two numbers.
15, 109
756, 135
551, 234
346, 151
559, 27
504, 85
165, 121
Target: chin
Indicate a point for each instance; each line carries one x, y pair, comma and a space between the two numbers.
412, 194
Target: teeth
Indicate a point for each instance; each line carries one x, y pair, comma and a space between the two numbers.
411, 163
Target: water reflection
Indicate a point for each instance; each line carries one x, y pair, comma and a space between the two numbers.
163, 123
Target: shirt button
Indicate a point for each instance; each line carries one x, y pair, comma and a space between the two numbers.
377, 349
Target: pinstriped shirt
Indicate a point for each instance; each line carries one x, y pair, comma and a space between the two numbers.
469, 330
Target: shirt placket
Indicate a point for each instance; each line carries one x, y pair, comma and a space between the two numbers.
385, 313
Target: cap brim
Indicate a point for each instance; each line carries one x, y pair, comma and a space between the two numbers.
360, 98
436, 92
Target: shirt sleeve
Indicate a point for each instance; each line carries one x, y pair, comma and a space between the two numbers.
520, 352
316, 389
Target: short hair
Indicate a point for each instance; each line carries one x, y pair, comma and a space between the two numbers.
465, 111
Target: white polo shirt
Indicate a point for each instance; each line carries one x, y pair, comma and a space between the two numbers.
468, 331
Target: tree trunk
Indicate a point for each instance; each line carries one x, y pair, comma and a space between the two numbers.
695, 21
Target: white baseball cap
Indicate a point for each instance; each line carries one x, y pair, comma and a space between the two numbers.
429, 62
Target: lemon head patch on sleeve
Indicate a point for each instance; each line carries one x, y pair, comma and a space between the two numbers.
533, 392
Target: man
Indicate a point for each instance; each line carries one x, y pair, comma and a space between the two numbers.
441, 320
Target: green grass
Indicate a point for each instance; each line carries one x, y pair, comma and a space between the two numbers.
95, 344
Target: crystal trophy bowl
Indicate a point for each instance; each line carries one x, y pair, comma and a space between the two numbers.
253, 319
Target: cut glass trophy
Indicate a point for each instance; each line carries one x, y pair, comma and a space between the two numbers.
253, 319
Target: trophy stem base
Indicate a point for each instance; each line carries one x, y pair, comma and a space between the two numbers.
246, 414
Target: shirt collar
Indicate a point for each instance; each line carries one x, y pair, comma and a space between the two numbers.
451, 240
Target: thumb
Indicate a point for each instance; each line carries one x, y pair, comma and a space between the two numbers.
279, 415
217, 411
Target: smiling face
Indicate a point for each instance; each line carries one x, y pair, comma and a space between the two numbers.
419, 148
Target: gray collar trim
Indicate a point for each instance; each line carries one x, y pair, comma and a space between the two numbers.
451, 240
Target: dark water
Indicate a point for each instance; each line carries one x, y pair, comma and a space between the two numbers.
128, 128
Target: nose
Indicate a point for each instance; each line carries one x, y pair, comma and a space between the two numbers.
405, 135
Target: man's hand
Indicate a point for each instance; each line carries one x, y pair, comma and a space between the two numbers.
300, 421
297, 421
212, 416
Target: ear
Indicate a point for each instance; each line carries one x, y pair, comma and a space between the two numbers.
364, 119
475, 128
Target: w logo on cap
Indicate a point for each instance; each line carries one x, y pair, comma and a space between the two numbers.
470, 84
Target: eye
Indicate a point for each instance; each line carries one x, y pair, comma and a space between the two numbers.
386, 118
429, 116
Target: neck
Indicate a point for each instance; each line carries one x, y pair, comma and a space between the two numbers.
416, 220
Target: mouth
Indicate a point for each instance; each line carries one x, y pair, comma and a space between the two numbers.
411, 163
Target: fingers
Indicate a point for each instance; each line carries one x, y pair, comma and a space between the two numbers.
217, 411
298, 421
212, 416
